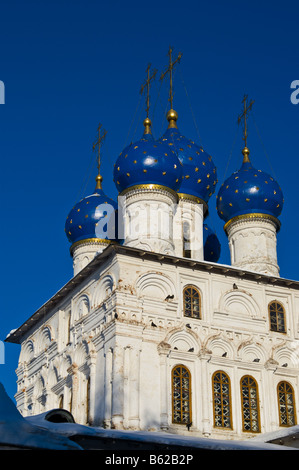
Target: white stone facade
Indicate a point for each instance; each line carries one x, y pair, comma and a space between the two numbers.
84, 252
104, 347
148, 218
152, 219
188, 229
252, 243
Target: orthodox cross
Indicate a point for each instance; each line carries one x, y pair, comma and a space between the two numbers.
244, 116
97, 146
147, 86
170, 70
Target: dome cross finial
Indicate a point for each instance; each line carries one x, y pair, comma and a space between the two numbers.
243, 117
146, 86
97, 146
170, 71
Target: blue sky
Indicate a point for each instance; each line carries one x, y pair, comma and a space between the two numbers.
68, 65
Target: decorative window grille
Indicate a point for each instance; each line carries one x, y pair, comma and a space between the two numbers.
181, 395
191, 302
286, 403
222, 400
277, 317
250, 404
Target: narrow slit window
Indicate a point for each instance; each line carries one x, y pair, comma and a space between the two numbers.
186, 240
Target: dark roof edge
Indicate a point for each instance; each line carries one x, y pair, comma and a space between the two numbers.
16, 336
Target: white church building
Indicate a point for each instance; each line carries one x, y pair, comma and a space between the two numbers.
152, 333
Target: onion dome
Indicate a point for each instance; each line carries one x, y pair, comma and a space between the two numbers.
93, 218
249, 191
199, 171
147, 162
212, 247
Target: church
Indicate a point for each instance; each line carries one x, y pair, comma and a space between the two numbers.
152, 333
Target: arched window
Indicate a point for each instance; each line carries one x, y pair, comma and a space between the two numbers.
181, 395
286, 404
250, 404
221, 400
277, 317
191, 302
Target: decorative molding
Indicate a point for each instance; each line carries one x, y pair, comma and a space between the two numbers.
252, 217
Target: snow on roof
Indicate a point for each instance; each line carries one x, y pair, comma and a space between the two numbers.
291, 431
36, 432
151, 437
18, 432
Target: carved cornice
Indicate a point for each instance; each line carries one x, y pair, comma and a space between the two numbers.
244, 218
150, 188
91, 241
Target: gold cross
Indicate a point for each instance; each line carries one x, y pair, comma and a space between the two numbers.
244, 116
147, 86
170, 70
97, 145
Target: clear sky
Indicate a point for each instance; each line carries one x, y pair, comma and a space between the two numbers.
68, 65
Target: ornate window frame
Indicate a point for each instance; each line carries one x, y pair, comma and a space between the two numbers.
190, 303
277, 317
221, 390
181, 395
250, 404
286, 404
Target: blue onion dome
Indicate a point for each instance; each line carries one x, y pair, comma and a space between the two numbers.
93, 218
212, 247
199, 171
249, 191
147, 162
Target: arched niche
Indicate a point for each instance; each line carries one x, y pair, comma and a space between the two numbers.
104, 289
27, 352
81, 307
154, 284
239, 302
183, 340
